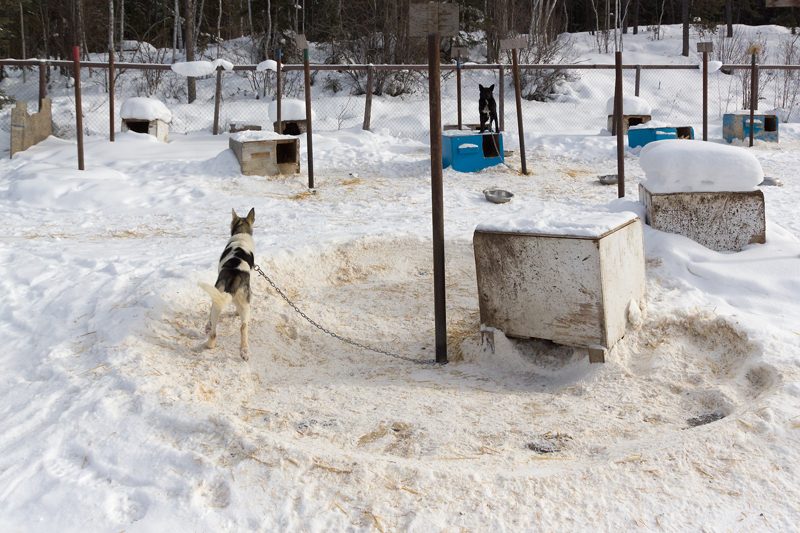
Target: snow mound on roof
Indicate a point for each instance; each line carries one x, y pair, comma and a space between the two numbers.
145, 109
696, 166
631, 105
290, 110
249, 135
268, 64
196, 69
583, 224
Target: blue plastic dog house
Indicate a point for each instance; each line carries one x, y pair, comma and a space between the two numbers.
641, 136
468, 151
737, 126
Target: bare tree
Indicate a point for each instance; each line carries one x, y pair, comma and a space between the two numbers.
729, 16
121, 23
175, 27
685, 28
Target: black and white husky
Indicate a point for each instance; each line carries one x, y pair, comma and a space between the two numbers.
233, 281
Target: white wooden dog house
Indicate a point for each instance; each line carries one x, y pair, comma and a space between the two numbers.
146, 115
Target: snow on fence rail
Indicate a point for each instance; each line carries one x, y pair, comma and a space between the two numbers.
572, 101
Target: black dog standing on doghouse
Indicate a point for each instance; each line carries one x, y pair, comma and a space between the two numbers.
488, 108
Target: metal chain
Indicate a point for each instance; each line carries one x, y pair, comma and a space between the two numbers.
336, 335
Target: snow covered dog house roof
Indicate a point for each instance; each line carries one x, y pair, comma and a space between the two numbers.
679, 166
290, 110
631, 105
140, 108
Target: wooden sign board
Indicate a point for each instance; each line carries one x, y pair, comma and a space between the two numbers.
755, 49
511, 44
459, 51
300, 39
430, 19
783, 3
705, 47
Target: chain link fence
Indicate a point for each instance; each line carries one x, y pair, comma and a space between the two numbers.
575, 103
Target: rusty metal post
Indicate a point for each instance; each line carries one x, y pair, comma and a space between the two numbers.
458, 86
280, 123
368, 103
705, 96
309, 145
76, 59
111, 94
217, 98
619, 126
502, 95
42, 82
753, 95
638, 78
437, 197
517, 90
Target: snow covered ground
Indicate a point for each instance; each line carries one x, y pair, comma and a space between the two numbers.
114, 418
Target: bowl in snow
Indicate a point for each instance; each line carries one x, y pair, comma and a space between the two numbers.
498, 196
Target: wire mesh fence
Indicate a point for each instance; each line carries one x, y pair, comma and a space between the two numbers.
574, 102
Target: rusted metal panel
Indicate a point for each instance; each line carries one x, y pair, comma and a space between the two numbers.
721, 221
569, 289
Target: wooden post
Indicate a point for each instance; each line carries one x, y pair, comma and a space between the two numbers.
458, 86
501, 107
111, 94
309, 145
753, 95
517, 90
619, 126
217, 98
638, 78
705, 96
280, 124
368, 103
76, 59
42, 82
437, 198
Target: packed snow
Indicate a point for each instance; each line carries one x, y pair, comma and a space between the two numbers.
581, 223
676, 165
114, 417
142, 108
200, 68
249, 135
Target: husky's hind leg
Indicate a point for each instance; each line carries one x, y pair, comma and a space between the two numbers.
211, 327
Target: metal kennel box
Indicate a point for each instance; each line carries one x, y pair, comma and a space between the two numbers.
268, 157
737, 126
471, 151
721, 221
570, 289
642, 136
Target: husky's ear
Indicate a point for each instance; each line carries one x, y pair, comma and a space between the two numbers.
251, 216
491, 88
235, 218
480, 86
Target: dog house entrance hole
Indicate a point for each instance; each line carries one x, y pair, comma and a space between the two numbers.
139, 126
291, 128
491, 146
684, 132
635, 121
286, 152
770, 124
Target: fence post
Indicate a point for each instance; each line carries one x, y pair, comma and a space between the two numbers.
111, 93
502, 96
638, 78
705, 96
309, 145
278, 92
42, 82
368, 103
619, 126
76, 58
458, 87
753, 94
217, 98
517, 90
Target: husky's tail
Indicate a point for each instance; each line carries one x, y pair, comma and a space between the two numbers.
220, 299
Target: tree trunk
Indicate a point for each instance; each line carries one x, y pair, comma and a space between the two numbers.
686, 28
191, 88
22, 31
636, 17
729, 16
199, 22
110, 27
121, 23
175, 25
219, 21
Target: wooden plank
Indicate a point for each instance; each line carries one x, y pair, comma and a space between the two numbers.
300, 39
705, 47
431, 19
513, 44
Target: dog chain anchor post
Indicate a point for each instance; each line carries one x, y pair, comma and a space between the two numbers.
433, 21
514, 45
303, 44
618, 125
76, 58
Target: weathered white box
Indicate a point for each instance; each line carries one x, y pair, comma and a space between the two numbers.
721, 221
268, 157
570, 289
157, 127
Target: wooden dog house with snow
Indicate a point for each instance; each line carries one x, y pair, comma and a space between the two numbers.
292, 127
266, 153
157, 127
635, 111
146, 115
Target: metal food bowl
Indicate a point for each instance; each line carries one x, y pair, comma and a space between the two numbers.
498, 196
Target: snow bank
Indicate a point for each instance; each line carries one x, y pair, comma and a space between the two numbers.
695, 166
145, 109
583, 223
290, 110
631, 105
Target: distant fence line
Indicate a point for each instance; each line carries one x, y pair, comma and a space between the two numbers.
678, 98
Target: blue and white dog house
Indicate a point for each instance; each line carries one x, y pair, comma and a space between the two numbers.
469, 151
640, 136
737, 126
